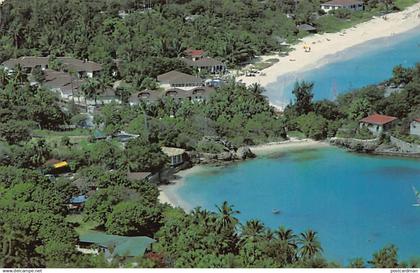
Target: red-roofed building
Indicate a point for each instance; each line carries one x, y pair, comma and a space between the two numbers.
378, 124
195, 54
415, 127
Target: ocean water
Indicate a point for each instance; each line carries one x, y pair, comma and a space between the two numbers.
358, 66
357, 203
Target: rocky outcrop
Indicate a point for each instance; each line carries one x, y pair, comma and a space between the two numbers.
356, 145
244, 153
214, 158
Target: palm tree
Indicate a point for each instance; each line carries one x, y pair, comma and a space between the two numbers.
226, 217
288, 236
4, 77
310, 245
253, 230
89, 90
202, 216
19, 76
289, 239
102, 84
72, 74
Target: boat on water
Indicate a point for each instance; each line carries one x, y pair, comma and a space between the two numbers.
275, 211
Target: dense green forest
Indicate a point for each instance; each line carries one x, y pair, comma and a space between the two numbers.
147, 41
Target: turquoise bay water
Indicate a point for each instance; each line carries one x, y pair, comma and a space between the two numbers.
357, 203
365, 64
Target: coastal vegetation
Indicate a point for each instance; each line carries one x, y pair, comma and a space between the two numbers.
125, 207
135, 43
142, 41
399, 97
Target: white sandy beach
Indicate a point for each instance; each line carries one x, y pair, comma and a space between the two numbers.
326, 44
168, 192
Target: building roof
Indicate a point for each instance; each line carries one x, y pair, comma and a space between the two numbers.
176, 77
203, 62
378, 119
138, 176
147, 95
342, 3
79, 65
306, 27
195, 52
169, 151
122, 246
417, 119
68, 62
97, 134
78, 199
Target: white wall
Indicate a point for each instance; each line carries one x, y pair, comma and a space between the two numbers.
415, 128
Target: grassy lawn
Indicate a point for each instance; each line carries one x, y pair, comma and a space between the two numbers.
402, 4
54, 137
83, 227
330, 23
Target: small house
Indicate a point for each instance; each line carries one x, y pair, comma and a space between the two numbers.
415, 127
55, 166
175, 155
77, 203
176, 79
208, 64
113, 245
99, 135
378, 124
353, 5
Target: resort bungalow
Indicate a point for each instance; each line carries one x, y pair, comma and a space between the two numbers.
27, 63
353, 5
377, 124
176, 79
77, 203
81, 68
197, 94
147, 96
198, 59
208, 64
113, 245
55, 166
175, 155
66, 86
415, 127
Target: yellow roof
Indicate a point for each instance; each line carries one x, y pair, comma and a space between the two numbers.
169, 151
60, 164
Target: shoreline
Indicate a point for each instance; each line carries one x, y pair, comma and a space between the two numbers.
327, 44
168, 194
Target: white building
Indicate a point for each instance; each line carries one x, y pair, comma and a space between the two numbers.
353, 5
415, 127
176, 155
176, 79
377, 124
